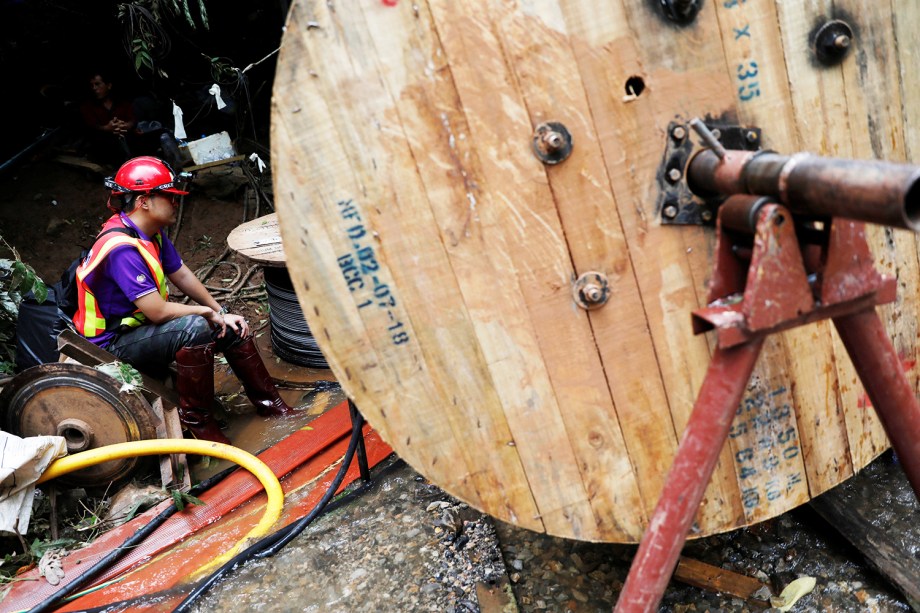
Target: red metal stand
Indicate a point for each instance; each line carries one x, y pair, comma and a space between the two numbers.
795, 276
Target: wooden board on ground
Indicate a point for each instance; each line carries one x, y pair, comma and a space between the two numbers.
877, 513
435, 255
259, 240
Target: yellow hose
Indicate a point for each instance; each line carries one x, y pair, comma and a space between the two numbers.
119, 451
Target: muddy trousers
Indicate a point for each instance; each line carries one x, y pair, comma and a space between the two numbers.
192, 343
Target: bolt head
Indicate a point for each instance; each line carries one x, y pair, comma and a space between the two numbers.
706, 215
832, 42
679, 133
674, 175
670, 211
593, 293
553, 141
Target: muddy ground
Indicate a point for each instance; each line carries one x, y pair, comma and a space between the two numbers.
407, 545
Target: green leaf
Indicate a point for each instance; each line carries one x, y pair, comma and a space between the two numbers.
192, 499
19, 273
181, 499
177, 498
138, 60
203, 13
40, 290
27, 282
39, 547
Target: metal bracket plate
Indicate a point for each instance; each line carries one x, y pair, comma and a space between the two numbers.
677, 205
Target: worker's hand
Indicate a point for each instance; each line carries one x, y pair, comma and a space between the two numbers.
116, 126
238, 323
223, 320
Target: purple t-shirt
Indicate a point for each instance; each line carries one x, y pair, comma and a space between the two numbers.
123, 277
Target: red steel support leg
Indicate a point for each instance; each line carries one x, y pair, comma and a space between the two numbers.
881, 373
726, 381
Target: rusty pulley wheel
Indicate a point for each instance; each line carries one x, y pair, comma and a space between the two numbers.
85, 407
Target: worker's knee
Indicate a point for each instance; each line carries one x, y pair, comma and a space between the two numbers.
195, 330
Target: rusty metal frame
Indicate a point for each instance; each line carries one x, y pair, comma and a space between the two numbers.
771, 275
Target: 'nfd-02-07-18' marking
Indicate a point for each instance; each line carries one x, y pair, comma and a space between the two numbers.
362, 273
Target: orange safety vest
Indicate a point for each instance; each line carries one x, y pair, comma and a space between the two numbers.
89, 321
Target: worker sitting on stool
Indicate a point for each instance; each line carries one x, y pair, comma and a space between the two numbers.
124, 306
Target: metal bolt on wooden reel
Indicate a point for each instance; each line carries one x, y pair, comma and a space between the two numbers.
403, 148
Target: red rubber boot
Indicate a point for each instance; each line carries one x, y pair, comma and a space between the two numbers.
247, 364
195, 384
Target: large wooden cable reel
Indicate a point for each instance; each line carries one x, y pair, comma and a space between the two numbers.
437, 255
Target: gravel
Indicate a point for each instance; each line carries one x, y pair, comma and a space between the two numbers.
407, 546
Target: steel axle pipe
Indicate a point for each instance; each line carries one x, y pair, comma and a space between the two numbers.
876, 192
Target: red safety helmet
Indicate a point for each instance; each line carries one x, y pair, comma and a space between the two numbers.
143, 175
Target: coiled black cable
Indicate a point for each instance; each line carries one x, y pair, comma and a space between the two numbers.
58, 597
272, 544
291, 338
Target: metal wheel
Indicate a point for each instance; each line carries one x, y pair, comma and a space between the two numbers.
85, 407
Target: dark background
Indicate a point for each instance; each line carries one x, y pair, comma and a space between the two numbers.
49, 49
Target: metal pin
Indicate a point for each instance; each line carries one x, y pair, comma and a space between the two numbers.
708, 137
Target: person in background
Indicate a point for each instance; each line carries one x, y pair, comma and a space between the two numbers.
124, 307
110, 121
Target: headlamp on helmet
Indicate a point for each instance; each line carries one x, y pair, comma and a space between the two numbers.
143, 175
146, 174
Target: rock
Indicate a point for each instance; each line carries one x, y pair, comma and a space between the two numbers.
129, 501
429, 588
55, 226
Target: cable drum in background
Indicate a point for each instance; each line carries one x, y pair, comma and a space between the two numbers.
291, 338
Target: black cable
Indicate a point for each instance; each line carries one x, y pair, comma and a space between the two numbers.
58, 597
126, 605
272, 544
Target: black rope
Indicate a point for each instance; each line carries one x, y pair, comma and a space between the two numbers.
274, 543
126, 605
58, 597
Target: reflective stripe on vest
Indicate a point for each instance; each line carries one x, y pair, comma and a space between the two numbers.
89, 320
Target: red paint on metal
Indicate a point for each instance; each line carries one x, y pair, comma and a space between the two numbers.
880, 370
696, 458
774, 293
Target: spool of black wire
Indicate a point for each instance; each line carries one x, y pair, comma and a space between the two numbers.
292, 340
